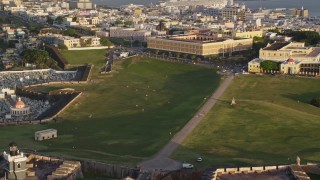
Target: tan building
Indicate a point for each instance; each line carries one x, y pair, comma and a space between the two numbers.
281, 51
45, 134
94, 20
84, 41
300, 67
199, 44
248, 34
290, 66
80, 4
300, 12
254, 66
90, 41
68, 41
234, 13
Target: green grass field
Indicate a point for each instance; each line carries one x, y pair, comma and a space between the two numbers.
85, 56
125, 117
271, 122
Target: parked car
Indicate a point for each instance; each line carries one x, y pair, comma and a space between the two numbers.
187, 166
199, 159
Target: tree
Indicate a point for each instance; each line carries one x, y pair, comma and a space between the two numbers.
105, 42
128, 23
59, 20
269, 65
70, 32
316, 101
193, 57
309, 37
35, 28
276, 30
38, 57
49, 20
185, 56
118, 22
178, 55
62, 47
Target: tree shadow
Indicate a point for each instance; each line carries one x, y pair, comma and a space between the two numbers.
303, 97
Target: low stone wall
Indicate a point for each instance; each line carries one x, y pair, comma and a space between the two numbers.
90, 48
66, 106
44, 158
20, 123
258, 169
108, 170
176, 175
311, 168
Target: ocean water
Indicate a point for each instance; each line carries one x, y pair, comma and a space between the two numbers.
312, 5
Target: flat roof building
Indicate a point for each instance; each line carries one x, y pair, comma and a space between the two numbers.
200, 44
45, 134
281, 51
129, 33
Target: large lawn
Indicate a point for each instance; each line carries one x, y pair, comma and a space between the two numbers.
124, 117
271, 122
85, 56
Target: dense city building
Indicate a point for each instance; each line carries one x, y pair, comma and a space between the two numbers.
80, 4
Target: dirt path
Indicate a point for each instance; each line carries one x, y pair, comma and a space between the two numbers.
162, 160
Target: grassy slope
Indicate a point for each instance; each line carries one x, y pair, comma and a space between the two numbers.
271, 122
119, 131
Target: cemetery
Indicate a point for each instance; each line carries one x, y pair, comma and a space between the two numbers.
17, 106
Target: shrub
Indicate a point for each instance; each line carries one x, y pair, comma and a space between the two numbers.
316, 101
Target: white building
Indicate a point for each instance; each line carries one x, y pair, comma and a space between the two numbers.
45, 134
129, 33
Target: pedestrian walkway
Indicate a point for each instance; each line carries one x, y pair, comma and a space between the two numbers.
162, 160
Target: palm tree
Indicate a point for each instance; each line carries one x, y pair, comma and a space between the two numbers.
178, 55
193, 57
185, 56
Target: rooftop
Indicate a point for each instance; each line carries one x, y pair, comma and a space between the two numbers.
276, 46
46, 131
194, 38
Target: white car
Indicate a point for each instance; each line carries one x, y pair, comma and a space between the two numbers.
199, 159
187, 166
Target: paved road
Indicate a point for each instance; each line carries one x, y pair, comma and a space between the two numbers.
162, 160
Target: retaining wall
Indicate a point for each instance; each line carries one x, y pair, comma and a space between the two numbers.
259, 169
90, 48
108, 170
